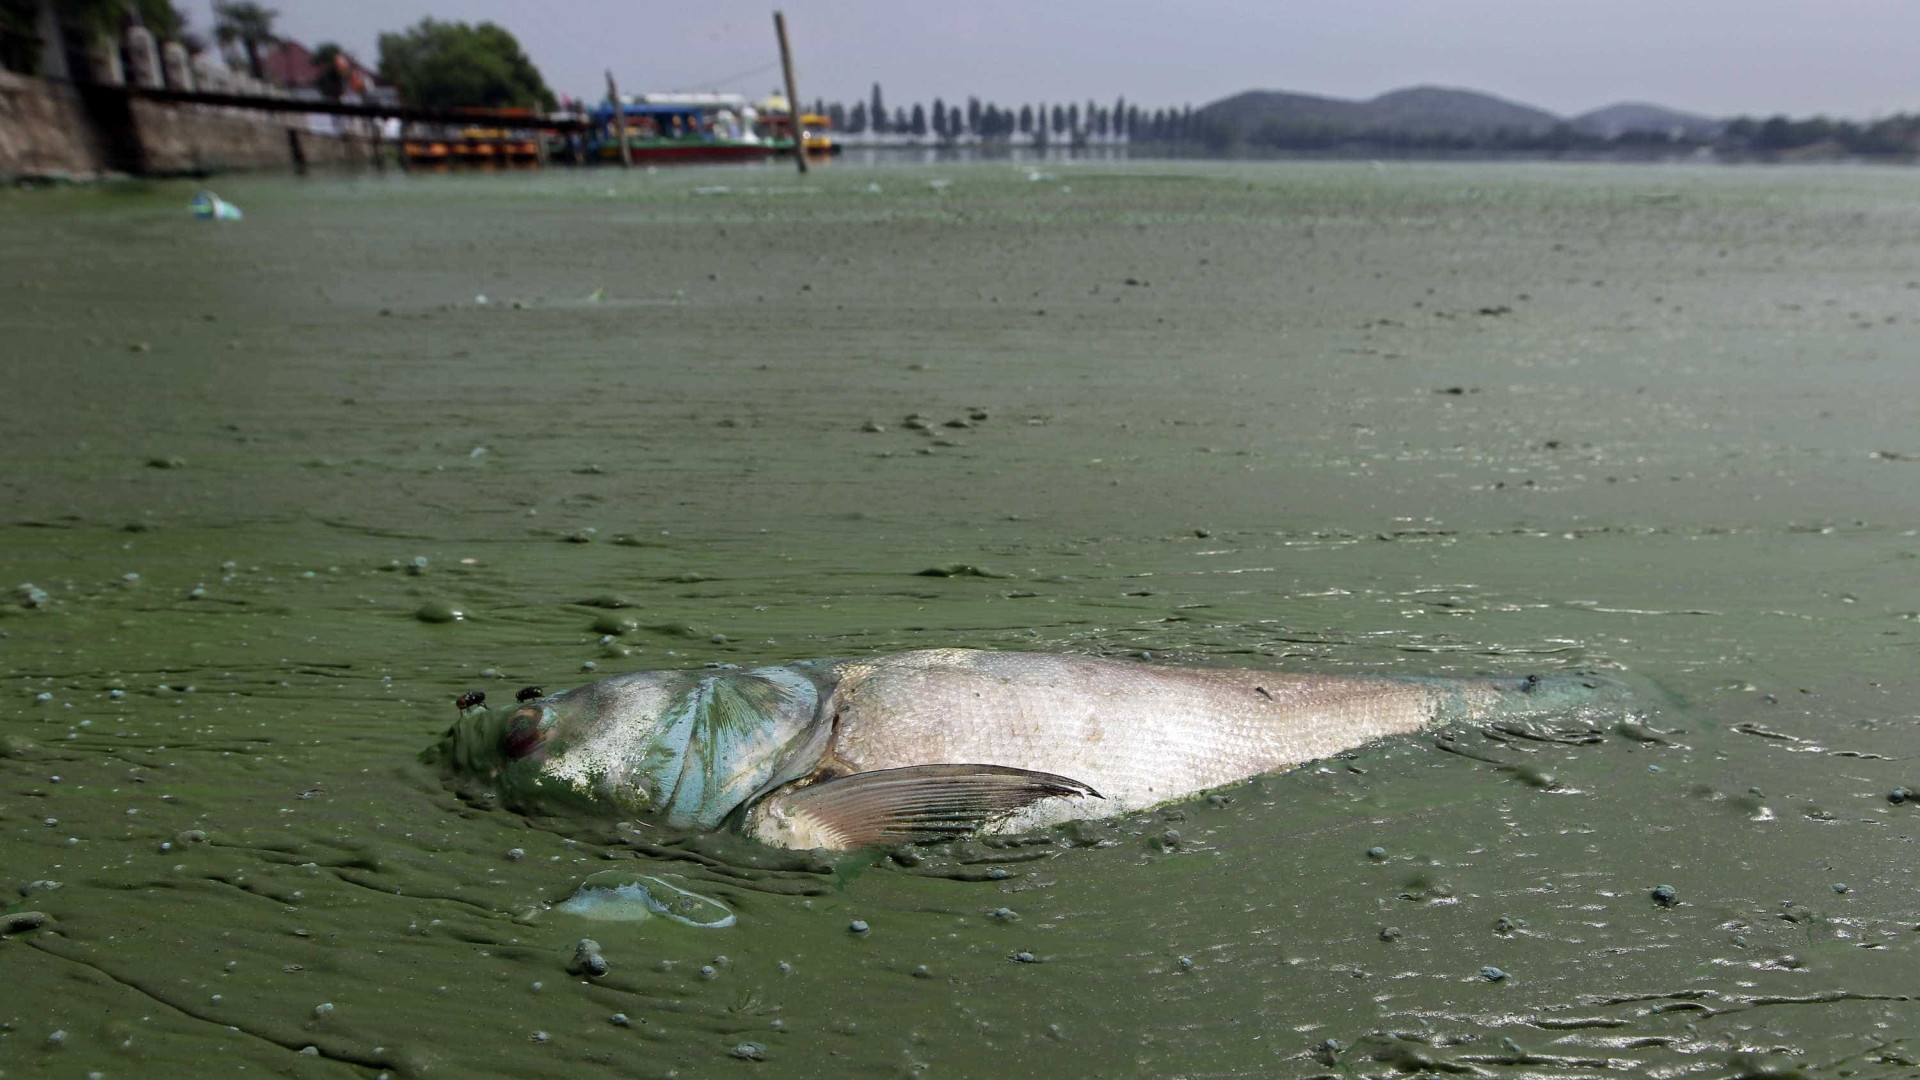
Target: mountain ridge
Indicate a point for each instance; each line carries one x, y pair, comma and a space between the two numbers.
1429, 110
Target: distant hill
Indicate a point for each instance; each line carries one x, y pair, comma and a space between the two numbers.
1252, 108
1441, 110
1638, 117
1427, 112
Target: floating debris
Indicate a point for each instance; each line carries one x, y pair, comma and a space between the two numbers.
621, 895
435, 611
1664, 895
210, 207
958, 570
587, 959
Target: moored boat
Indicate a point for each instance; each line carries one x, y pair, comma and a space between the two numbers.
776, 123
678, 127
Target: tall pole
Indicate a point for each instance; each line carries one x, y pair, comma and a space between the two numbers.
619, 121
793, 96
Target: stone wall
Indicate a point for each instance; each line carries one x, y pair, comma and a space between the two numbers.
203, 138
44, 130
47, 130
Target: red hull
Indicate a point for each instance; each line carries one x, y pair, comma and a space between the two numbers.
716, 152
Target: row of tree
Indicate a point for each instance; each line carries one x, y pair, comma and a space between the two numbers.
1895, 135
988, 120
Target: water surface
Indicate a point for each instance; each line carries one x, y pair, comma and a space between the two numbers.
1438, 419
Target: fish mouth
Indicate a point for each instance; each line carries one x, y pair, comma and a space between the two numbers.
486, 743
504, 758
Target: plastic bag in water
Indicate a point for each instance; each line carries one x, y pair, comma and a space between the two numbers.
210, 207
621, 895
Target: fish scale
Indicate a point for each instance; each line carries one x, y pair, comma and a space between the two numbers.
1139, 735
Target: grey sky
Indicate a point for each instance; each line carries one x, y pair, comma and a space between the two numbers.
1853, 58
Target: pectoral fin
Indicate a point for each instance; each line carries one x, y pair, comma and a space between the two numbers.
896, 806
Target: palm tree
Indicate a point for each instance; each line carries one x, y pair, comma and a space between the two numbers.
246, 24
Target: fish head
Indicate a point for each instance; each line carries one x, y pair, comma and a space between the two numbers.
677, 748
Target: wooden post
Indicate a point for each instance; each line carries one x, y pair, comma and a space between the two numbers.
620, 121
793, 96
400, 146
541, 153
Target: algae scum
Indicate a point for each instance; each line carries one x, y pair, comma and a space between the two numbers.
285, 487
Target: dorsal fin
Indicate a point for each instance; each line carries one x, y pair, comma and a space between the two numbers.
895, 806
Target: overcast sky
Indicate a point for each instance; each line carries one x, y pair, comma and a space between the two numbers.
1855, 58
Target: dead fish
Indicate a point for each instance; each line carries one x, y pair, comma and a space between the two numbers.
943, 743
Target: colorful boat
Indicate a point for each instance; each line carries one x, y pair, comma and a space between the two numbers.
490, 140
679, 127
776, 125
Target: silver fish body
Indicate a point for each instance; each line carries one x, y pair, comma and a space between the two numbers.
927, 744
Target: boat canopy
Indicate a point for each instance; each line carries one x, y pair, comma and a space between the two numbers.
604, 112
711, 101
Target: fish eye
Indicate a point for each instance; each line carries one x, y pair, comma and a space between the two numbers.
523, 735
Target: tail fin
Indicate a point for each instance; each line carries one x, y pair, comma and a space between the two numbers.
1559, 702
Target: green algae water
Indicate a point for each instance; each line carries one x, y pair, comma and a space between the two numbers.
277, 491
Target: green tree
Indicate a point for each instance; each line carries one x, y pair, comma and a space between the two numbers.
160, 16
246, 24
447, 64
878, 110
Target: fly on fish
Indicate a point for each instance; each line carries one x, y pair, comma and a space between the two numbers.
945, 743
